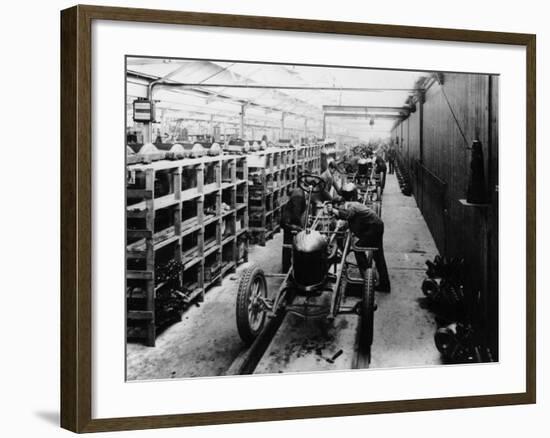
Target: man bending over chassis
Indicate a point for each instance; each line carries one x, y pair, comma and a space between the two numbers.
369, 230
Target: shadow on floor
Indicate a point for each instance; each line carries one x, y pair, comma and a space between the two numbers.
50, 417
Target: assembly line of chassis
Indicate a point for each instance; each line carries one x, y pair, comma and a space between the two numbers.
334, 274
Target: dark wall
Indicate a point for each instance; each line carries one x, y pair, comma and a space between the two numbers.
437, 156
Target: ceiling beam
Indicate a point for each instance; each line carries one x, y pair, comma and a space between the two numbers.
364, 115
287, 87
352, 108
179, 69
200, 89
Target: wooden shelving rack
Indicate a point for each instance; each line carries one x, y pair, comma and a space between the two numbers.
194, 211
309, 158
272, 175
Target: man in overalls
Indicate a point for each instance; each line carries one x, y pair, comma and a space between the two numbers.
368, 228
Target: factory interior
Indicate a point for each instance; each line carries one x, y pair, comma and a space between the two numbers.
297, 218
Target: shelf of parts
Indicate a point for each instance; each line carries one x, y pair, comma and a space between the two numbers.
187, 183
272, 175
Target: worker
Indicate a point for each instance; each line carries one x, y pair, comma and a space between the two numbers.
391, 160
368, 228
331, 178
381, 169
293, 220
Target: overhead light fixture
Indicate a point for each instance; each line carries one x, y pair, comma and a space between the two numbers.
371, 122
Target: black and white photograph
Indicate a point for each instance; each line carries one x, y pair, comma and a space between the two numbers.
286, 218
275, 219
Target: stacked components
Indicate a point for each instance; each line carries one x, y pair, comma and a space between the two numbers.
403, 177
150, 152
309, 158
460, 337
187, 223
272, 175
171, 299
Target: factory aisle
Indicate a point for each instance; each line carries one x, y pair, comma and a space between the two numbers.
206, 342
403, 330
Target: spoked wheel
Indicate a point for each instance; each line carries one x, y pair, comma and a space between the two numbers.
367, 314
309, 182
250, 311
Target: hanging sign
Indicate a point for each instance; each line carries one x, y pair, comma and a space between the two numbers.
144, 110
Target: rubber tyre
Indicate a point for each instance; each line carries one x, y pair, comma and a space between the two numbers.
446, 342
430, 288
250, 276
367, 313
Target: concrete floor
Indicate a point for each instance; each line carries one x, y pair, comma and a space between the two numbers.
206, 342
403, 330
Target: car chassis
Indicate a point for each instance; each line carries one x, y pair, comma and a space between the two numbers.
254, 306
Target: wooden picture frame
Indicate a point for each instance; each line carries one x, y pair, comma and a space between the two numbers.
76, 217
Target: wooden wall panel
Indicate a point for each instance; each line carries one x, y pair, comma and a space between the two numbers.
414, 150
438, 156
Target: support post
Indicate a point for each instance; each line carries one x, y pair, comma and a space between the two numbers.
241, 127
282, 134
211, 130
150, 258
147, 136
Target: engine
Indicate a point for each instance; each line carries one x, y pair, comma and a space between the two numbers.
309, 258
